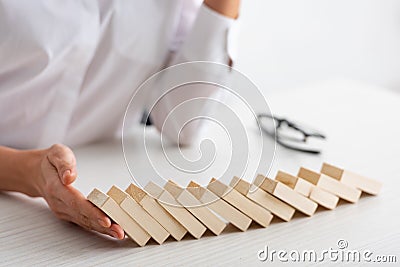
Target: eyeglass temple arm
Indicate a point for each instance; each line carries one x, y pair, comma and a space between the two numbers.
293, 125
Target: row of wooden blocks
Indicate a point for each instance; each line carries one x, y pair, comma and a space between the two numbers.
157, 212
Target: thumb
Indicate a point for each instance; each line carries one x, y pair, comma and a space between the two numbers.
63, 159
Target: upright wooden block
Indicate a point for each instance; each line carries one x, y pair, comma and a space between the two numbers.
115, 212
264, 199
196, 207
260, 215
219, 206
149, 204
182, 215
137, 213
330, 184
365, 184
286, 194
309, 190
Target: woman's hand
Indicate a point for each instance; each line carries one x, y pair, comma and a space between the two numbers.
56, 173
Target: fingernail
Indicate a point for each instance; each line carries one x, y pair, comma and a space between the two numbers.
114, 234
102, 223
67, 172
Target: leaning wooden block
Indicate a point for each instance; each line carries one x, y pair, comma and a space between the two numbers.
182, 215
365, 184
299, 185
219, 206
157, 211
197, 208
309, 190
286, 194
324, 198
260, 215
137, 213
264, 199
330, 184
115, 212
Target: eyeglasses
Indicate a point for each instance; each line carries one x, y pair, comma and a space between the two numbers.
289, 134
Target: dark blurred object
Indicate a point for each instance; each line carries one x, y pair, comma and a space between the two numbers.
146, 118
290, 134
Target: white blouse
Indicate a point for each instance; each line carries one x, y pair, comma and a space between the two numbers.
69, 68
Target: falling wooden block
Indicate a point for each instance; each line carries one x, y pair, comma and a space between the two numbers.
150, 205
260, 215
286, 194
299, 185
309, 190
182, 215
219, 206
115, 212
365, 184
137, 213
324, 198
330, 184
196, 207
264, 199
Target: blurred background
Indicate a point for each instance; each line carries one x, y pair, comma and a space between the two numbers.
289, 43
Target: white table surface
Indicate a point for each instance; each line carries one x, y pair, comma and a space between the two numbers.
363, 131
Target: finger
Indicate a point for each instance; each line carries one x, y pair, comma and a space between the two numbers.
63, 216
117, 229
103, 223
79, 206
85, 214
63, 159
99, 229
85, 222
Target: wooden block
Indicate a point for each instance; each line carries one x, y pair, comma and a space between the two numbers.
196, 207
264, 199
309, 190
219, 206
365, 184
115, 212
286, 194
137, 213
260, 215
299, 185
240, 185
182, 215
153, 190
149, 204
330, 184
324, 198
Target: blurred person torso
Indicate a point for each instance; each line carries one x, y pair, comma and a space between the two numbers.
68, 68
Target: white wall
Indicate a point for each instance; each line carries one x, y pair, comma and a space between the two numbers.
289, 43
